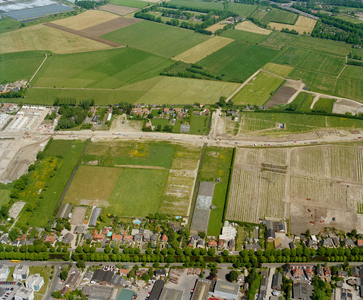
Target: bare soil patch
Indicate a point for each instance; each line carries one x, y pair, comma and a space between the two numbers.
110, 26
83, 34
282, 96
118, 9
78, 215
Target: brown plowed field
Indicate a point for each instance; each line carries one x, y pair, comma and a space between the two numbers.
118, 9
110, 26
85, 35
281, 96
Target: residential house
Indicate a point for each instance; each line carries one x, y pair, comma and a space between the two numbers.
20, 273
212, 244
97, 236
127, 238
116, 237
200, 244
102, 277
123, 272
34, 282
154, 238
49, 239
349, 243
312, 244
309, 271
327, 272
342, 273
68, 238
297, 271
327, 243
164, 238
160, 273
355, 271
359, 243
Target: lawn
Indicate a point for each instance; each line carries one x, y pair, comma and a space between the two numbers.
58, 147
92, 183
130, 3
20, 65
244, 10
324, 105
276, 15
137, 192
101, 69
258, 90
243, 36
51, 197
161, 122
6, 22
4, 196
156, 38
216, 215
238, 60
199, 125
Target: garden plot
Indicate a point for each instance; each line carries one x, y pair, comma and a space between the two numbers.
325, 181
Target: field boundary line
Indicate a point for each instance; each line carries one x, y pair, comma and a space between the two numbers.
316, 98
140, 167
242, 85
341, 71
46, 56
84, 35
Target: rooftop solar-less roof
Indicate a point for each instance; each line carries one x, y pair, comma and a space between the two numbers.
37, 12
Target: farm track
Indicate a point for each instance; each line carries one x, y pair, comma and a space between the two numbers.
83, 34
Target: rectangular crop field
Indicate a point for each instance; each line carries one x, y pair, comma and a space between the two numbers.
251, 27
258, 90
58, 147
352, 72
130, 3
110, 26
197, 4
238, 60
118, 9
102, 69
92, 183
243, 36
87, 19
281, 70
199, 125
19, 65
324, 105
276, 15
303, 25
203, 50
156, 38
137, 192
350, 19
7, 22
171, 90
40, 37
302, 102
243, 10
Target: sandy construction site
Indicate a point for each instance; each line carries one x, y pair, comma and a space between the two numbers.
312, 187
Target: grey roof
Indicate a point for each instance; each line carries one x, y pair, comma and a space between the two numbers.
302, 291
37, 12
118, 280
64, 211
102, 276
23, 293
156, 291
270, 229
3, 269
202, 207
184, 128
87, 276
21, 270
277, 281
79, 229
73, 277
355, 271
97, 292
68, 238
170, 294
94, 216
34, 279
226, 287
349, 242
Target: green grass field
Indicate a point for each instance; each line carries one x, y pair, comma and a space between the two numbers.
130, 3
243, 36
324, 105
100, 69
6, 22
160, 89
19, 65
51, 197
199, 125
244, 10
352, 72
238, 60
350, 19
155, 38
258, 91
137, 192
216, 164
4, 196
43, 271
197, 4
276, 15
303, 102
58, 147
295, 123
